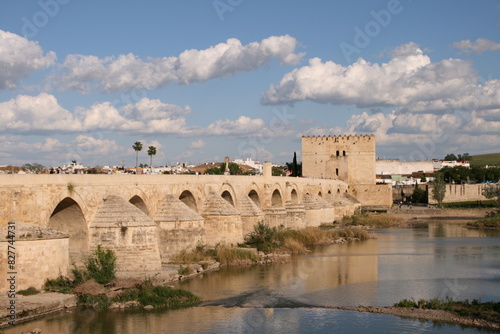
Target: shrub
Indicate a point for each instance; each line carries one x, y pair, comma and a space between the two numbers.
29, 291
227, 255
407, 303
264, 237
61, 284
101, 265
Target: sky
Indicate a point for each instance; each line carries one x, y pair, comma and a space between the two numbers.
201, 80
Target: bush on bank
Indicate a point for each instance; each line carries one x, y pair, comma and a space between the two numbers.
487, 310
100, 266
492, 222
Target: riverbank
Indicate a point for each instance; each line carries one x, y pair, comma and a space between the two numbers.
433, 315
409, 216
26, 308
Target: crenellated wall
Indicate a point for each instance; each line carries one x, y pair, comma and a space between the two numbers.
347, 158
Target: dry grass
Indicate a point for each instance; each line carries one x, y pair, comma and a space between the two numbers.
191, 256
372, 219
294, 246
230, 255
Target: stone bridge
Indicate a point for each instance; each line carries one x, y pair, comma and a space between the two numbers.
147, 219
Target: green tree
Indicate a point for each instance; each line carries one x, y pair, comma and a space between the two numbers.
419, 195
295, 169
294, 166
464, 156
492, 192
137, 148
450, 157
34, 167
278, 171
439, 190
234, 169
151, 152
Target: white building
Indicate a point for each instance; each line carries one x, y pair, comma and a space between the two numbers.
398, 167
439, 164
249, 162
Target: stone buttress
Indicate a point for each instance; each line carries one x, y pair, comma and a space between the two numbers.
180, 228
223, 223
120, 226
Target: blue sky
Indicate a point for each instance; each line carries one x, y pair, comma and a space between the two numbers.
204, 79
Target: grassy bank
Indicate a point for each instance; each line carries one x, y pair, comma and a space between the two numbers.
379, 220
96, 286
488, 311
492, 222
279, 239
470, 205
143, 295
270, 240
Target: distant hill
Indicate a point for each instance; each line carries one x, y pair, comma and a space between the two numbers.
485, 159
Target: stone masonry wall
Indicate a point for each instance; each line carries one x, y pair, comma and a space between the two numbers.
36, 261
460, 193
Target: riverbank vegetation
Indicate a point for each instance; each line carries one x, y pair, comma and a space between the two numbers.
471, 205
492, 222
269, 240
378, 220
489, 311
96, 286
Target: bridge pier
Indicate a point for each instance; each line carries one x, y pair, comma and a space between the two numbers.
179, 228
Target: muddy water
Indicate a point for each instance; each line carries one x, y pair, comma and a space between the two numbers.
436, 259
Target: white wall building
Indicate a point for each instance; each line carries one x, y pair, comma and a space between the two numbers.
439, 164
398, 167
249, 162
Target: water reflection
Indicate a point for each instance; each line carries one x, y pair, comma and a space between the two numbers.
435, 259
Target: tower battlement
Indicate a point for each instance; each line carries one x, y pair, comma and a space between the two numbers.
350, 158
342, 138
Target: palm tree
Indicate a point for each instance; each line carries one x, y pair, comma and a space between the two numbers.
151, 152
137, 147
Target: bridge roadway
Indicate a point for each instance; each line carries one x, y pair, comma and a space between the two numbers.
218, 209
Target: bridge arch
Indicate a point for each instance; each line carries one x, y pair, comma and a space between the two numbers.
227, 192
139, 203
276, 198
294, 197
228, 197
68, 217
254, 196
188, 198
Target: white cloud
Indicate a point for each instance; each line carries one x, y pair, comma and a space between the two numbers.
42, 113
424, 136
479, 46
52, 151
125, 72
35, 114
242, 126
197, 144
409, 78
19, 57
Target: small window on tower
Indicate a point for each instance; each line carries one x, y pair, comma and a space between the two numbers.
337, 171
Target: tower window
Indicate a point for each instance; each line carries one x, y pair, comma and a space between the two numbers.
343, 153
337, 171
338, 153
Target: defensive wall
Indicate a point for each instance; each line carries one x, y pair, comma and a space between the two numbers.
461, 193
147, 219
347, 158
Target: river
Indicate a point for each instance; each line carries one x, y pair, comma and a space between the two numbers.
439, 258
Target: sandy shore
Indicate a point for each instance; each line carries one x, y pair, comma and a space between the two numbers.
434, 315
418, 212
